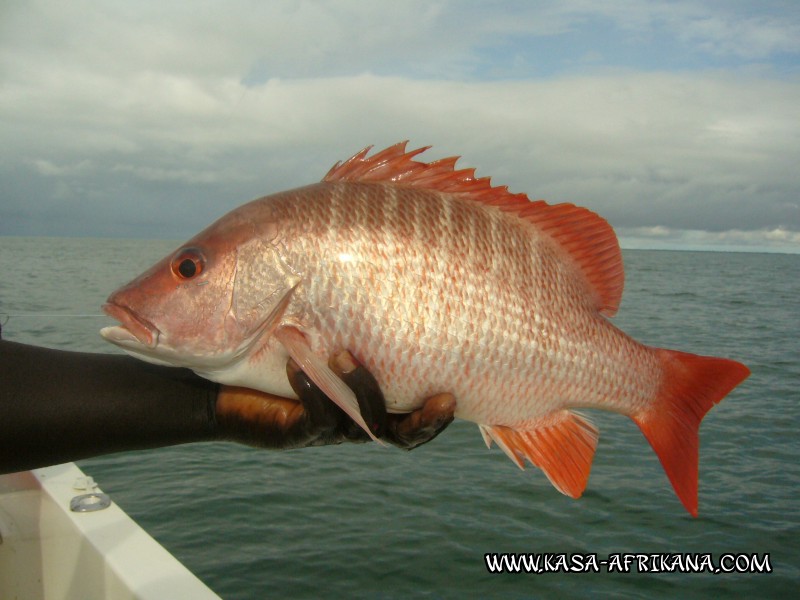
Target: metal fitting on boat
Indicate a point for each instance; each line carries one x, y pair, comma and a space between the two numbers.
90, 502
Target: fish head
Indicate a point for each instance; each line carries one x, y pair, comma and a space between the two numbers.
206, 305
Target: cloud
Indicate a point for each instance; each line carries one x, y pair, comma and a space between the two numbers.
733, 30
49, 169
150, 119
751, 37
255, 41
678, 150
778, 239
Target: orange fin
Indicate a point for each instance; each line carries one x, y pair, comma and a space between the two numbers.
586, 238
562, 445
590, 242
691, 385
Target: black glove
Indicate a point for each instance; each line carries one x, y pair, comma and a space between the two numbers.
270, 421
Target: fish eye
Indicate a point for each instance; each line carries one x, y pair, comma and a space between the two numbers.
188, 263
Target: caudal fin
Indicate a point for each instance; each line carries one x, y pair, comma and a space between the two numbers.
691, 385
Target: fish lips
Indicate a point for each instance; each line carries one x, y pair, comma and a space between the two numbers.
133, 331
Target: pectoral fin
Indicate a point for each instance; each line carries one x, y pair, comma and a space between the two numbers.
319, 372
561, 444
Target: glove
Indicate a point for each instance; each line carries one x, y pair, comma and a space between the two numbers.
269, 421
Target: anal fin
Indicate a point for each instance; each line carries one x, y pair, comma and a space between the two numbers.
561, 444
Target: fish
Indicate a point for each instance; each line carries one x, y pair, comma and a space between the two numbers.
436, 281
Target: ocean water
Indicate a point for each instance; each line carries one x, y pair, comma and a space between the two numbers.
362, 521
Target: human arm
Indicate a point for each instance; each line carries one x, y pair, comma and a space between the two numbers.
59, 406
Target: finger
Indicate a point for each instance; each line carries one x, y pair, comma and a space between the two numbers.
368, 393
324, 418
321, 413
424, 424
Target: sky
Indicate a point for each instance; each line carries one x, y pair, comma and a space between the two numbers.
679, 122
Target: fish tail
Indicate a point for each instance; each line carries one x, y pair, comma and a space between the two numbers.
691, 385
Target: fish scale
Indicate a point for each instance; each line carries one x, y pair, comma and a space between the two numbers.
437, 282
448, 302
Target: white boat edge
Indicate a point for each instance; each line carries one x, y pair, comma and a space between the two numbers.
50, 552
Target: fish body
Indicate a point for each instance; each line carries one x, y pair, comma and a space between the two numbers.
437, 282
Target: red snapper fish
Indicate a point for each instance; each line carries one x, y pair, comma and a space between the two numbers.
437, 282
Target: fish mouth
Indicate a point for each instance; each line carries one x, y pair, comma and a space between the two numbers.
133, 329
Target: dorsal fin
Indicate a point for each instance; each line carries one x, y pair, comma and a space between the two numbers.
589, 241
584, 236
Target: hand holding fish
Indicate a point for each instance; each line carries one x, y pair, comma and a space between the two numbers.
265, 420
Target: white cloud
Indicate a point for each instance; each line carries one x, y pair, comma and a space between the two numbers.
778, 239
678, 150
129, 103
284, 38
50, 169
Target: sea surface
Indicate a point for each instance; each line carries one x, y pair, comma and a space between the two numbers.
364, 521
